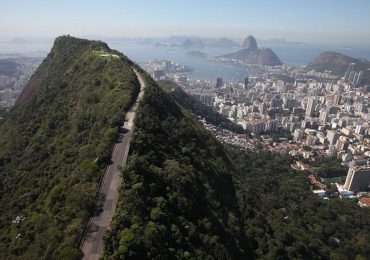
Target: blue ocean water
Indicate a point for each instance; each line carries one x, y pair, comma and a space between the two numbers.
294, 54
297, 55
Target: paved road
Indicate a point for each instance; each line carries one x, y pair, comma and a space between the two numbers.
92, 243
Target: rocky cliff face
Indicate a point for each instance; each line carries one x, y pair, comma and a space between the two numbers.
249, 43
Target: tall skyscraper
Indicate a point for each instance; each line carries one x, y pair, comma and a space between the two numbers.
351, 76
357, 81
219, 82
311, 104
246, 81
358, 178
350, 69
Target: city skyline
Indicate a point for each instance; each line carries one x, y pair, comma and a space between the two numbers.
306, 21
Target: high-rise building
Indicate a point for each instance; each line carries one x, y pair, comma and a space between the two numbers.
336, 99
342, 143
358, 79
310, 108
360, 130
323, 117
263, 108
158, 74
358, 178
351, 67
275, 102
246, 81
219, 82
257, 127
272, 126
332, 137
351, 76
205, 99
298, 135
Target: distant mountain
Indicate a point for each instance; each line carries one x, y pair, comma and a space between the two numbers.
158, 44
223, 43
279, 41
250, 43
197, 54
250, 54
192, 44
338, 63
18, 41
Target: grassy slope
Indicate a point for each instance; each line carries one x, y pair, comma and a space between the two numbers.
55, 144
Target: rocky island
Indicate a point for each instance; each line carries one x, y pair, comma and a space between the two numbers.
251, 54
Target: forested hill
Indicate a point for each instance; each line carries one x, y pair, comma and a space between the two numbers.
178, 198
55, 144
197, 108
185, 196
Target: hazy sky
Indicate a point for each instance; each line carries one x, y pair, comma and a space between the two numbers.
344, 21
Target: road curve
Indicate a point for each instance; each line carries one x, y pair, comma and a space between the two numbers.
92, 242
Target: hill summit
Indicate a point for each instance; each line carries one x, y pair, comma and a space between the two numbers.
55, 144
250, 54
250, 43
338, 64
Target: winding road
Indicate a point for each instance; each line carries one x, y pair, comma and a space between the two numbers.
92, 242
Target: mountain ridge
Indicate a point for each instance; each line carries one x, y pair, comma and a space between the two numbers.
55, 144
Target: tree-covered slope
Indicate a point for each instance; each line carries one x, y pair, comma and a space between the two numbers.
178, 198
186, 196
55, 144
197, 108
285, 220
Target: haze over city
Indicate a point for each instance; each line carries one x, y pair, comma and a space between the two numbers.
308, 21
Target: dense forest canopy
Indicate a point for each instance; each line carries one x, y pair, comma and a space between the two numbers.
177, 198
55, 144
186, 196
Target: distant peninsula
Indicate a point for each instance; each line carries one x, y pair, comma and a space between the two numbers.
251, 54
223, 43
197, 54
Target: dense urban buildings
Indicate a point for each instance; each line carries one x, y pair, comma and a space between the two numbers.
305, 113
